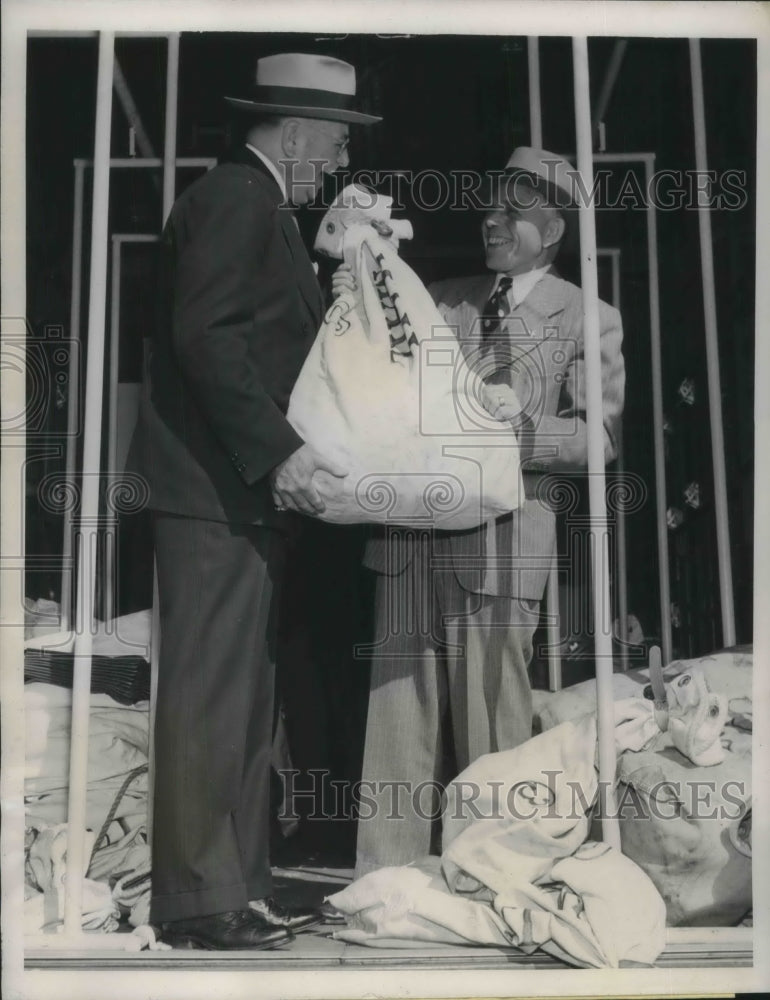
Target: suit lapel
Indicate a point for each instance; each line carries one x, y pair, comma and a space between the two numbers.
306, 278
545, 301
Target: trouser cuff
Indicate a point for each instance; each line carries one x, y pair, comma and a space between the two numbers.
201, 903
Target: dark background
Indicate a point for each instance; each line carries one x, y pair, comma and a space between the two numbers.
449, 103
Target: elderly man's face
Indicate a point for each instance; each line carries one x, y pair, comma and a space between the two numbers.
518, 229
320, 148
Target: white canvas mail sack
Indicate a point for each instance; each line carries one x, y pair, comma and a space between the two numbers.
386, 391
686, 824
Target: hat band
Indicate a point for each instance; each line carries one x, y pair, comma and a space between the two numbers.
303, 97
553, 191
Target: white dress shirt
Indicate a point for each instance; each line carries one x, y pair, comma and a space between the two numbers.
522, 285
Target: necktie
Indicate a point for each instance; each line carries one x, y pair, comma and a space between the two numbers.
496, 308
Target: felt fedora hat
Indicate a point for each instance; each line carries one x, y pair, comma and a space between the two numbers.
308, 86
551, 176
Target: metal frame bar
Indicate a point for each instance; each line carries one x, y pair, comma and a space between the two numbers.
659, 446
621, 587
131, 112
118, 239
73, 398
139, 162
89, 517
89, 513
169, 145
169, 191
599, 535
535, 109
73, 402
608, 84
553, 611
726, 598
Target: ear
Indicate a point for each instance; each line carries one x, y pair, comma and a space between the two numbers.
554, 231
290, 136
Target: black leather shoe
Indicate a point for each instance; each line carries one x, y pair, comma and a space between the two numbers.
221, 931
292, 918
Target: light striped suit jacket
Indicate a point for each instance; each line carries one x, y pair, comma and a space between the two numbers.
539, 351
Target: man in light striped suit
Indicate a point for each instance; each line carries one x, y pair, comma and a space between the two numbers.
456, 611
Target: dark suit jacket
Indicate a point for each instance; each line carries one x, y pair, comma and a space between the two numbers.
539, 352
240, 307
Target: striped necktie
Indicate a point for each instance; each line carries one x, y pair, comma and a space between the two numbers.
496, 308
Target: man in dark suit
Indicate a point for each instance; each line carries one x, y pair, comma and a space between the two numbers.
456, 612
242, 307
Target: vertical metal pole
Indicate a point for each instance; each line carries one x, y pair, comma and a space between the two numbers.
712, 356
552, 590
13, 408
596, 481
169, 189
154, 660
608, 84
88, 535
73, 396
535, 112
132, 114
659, 444
108, 602
615, 263
761, 540
622, 566
169, 146
554, 627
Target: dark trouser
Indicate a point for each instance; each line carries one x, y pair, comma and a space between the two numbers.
213, 727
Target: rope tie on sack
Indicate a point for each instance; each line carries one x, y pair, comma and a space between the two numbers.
130, 777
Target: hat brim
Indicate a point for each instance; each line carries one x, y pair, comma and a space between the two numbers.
302, 111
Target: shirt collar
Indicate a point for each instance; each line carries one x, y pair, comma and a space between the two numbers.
522, 284
271, 167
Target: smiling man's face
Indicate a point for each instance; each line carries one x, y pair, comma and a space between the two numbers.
518, 230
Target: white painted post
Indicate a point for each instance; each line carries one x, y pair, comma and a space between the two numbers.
110, 535
73, 399
552, 590
535, 112
14, 403
712, 355
169, 189
169, 147
89, 513
596, 479
554, 626
620, 516
648, 159
608, 84
659, 443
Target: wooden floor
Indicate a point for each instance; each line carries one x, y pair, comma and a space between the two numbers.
318, 949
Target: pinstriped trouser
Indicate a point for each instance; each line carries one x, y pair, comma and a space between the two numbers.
449, 683
214, 718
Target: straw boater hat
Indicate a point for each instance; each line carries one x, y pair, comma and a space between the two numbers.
309, 86
550, 175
